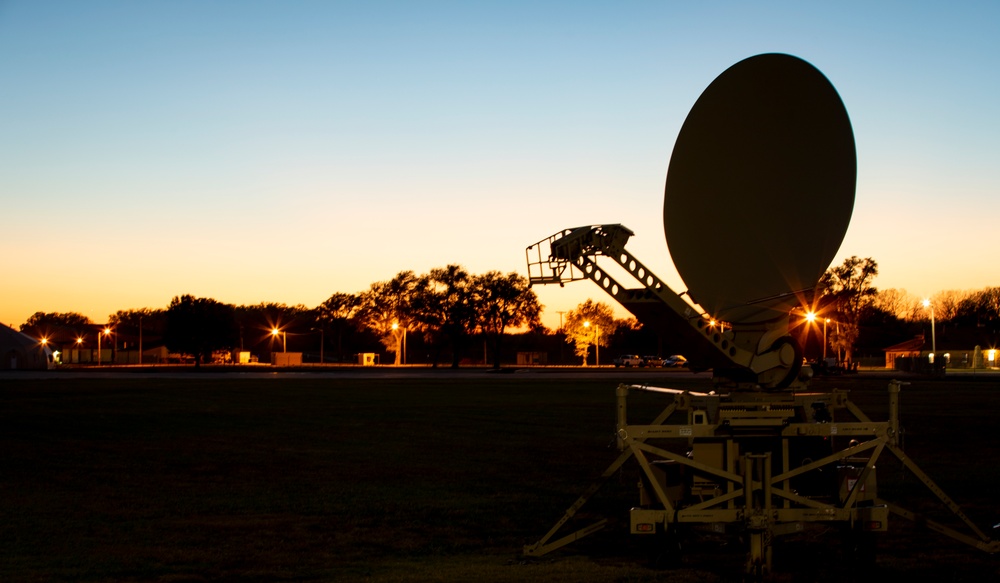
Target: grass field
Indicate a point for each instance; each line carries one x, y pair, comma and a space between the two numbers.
422, 479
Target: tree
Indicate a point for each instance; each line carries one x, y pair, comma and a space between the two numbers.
946, 304
42, 324
148, 319
879, 328
504, 301
339, 313
589, 323
386, 303
200, 326
443, 303
140, 324
898, 302
849, 289
55, 325
980, 309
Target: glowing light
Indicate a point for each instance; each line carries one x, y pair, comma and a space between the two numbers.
810, 317
45, 341
992, 355
284, 338
79, 340
597, 344
107, 331
927, 303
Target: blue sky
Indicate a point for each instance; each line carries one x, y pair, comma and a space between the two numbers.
283, 151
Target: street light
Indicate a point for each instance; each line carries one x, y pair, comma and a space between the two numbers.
597, 343
825, 322
928, 304
284, 338
106, 332
811, 318
395, 328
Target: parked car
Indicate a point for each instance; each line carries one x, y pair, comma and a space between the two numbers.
675, 360
652, 361
628, 360
829, 366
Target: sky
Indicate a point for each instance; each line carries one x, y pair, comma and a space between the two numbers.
256, 152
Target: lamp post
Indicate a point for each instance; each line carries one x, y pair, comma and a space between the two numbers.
597, 344
825, 322
928, 304
400, 341
284, 338
106, 332
810, 319
322, 335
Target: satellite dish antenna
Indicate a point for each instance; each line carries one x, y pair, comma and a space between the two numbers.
760, 188
758, 197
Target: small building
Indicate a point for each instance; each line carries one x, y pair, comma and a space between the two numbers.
286, 358
532, 358
911, 348
916, 355
22, 352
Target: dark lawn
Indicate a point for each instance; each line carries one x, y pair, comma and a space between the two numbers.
401, 480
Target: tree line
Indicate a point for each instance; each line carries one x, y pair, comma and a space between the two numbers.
443, 310
870, 320
446, 311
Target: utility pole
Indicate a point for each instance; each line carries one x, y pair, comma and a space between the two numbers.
561, 344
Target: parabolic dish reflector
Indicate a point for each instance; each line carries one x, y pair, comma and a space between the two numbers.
760, 187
